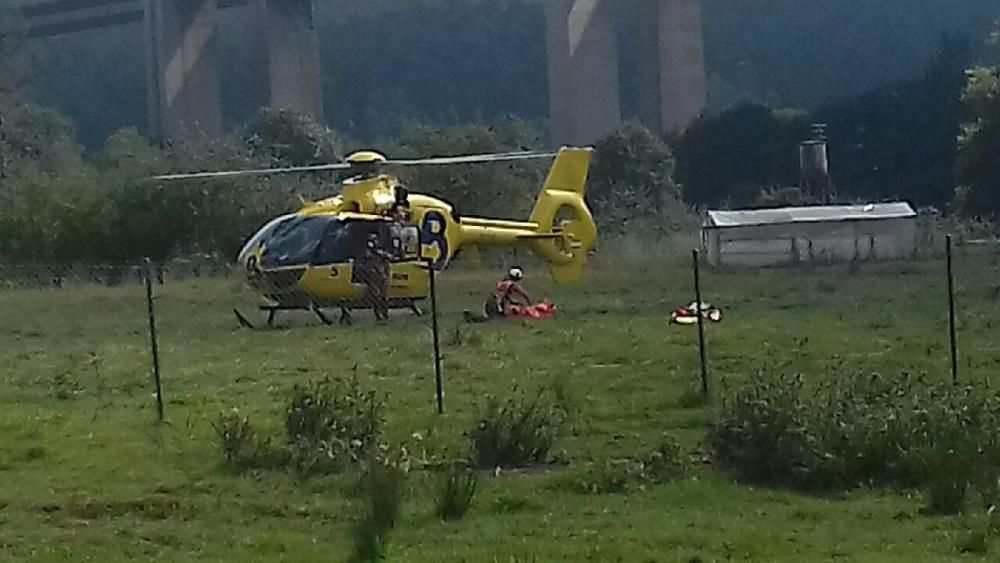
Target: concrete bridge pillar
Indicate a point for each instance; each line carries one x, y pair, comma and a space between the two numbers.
674, 89
184, 95
292, 48
584, 95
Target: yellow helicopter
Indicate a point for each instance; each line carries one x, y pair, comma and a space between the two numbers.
310, 259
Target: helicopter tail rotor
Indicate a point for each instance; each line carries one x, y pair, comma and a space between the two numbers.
566, 229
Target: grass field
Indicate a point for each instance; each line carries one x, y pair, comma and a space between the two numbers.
87, 474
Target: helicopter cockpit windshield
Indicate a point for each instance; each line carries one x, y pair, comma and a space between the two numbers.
293, 242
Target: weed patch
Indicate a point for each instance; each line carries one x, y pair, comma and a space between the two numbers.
663, 465
242, 448
383, 485
329, 425
516, 433
332, 423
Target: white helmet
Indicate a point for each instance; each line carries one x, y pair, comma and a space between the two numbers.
515, 274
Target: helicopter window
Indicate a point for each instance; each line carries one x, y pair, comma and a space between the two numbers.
343, 242
263, 234
292, 242
405, 242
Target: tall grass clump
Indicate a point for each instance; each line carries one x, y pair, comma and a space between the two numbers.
330, 424
243, 449
456, 491
383, 486
867, 431
516, 432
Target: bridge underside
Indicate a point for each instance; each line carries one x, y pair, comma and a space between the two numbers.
582, 39
584, 84
183, 90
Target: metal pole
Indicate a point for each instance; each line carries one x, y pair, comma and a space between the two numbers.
148, 278
437, 342
951, 313
701, 322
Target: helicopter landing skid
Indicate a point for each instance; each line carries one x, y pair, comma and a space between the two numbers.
345, 313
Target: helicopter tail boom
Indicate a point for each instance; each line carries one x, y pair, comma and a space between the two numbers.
561, 228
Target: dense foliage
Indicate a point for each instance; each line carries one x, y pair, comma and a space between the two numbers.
632, 181
897, 141
731, 158
865, 431
59, 203
980, 141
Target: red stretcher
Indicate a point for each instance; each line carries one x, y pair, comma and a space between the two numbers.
538, 311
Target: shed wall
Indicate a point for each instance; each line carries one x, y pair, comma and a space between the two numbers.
767, 245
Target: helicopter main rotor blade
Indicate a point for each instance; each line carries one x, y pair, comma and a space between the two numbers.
472, 159
436, 161
254, 172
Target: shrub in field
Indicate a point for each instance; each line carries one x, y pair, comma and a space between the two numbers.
64, 387
866, 431
762, 437
241, 446
456, 491
666, 463
663, 465
383, 485
331, 424
609, 478
516, 433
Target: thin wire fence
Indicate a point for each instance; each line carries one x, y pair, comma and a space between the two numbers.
222, 330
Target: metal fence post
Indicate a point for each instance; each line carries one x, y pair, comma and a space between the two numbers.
695, 254
953, 338
154, 348
437, 342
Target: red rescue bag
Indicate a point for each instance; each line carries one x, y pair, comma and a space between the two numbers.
543, 310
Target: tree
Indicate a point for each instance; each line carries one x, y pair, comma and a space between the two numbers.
979, 145
899, 141
632, 179
290, 139
734, 156
506, 189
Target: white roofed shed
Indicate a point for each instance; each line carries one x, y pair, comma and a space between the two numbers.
765, 237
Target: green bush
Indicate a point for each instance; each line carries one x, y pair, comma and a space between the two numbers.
332, 423
516, 433
761, 435
866, 431
632, 181
456, 492
329, 425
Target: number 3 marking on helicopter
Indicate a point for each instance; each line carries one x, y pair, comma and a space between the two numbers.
433, 234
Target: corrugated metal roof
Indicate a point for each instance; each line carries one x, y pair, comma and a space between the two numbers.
812, 214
